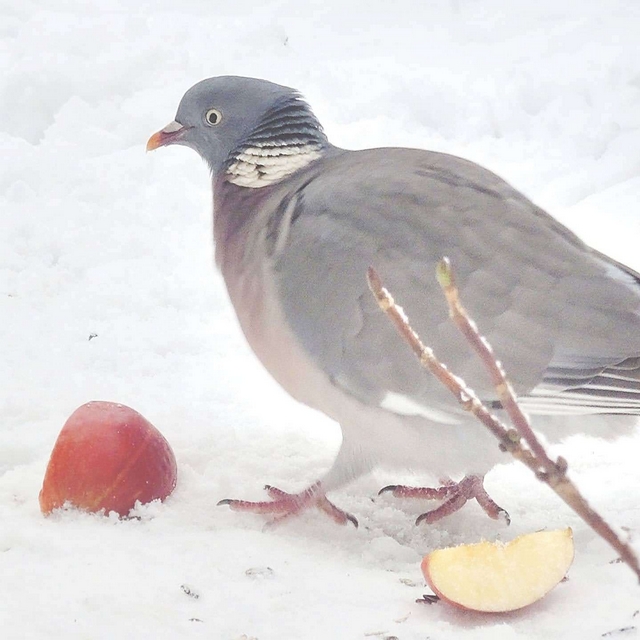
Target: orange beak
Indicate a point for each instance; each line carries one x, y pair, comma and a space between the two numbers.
169, 135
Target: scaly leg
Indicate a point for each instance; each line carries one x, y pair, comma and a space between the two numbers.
455, 496
284, 506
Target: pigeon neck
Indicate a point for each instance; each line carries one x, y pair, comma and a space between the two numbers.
287, 138
234, 209
256, 167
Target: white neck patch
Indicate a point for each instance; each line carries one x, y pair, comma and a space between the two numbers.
257, 167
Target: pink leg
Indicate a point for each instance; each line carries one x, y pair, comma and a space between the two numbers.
455, 496
284, 506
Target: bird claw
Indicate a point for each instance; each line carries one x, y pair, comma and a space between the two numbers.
389, 487
284, 506
455, 496
426, 493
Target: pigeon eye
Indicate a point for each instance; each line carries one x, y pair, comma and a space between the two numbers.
213, 117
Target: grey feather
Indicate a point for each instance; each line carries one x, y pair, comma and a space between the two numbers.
537, 292
297, 222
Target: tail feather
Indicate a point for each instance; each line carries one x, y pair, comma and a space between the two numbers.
611, 390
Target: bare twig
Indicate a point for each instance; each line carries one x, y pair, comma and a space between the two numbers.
520, 441
482, 347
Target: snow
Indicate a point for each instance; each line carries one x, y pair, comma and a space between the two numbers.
100, 239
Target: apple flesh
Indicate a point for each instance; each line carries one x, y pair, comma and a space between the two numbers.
108, 456
496, 577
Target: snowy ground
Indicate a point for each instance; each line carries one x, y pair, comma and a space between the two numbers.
98, 237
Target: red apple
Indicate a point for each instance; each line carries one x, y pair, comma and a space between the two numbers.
496, 577
108, 456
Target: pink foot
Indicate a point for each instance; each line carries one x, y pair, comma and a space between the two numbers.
455, 496
287, 505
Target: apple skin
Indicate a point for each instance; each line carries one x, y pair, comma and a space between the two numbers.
108, 456
496, 578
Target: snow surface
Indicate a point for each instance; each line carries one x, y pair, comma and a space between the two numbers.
100, 238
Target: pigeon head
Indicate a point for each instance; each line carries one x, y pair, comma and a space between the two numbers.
252, 131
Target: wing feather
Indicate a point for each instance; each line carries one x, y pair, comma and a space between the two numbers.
563, 319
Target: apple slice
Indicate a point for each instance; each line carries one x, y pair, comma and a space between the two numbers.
108, 456
497, 577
